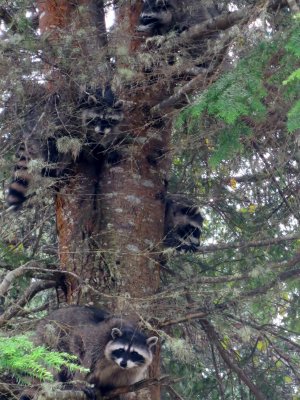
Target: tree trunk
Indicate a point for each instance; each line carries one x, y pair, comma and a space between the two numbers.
110, 217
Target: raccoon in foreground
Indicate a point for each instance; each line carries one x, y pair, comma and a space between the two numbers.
115, 351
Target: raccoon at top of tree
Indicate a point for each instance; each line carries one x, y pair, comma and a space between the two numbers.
160, 16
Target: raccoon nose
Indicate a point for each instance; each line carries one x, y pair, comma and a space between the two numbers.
123, 364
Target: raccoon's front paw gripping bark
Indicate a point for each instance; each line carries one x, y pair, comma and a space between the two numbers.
90, 393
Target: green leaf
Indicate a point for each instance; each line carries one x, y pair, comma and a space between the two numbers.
262, 345
288, 379
294, 117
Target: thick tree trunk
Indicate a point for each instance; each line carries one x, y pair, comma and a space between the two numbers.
110, 217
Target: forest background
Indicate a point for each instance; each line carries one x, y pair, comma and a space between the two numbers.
211, 113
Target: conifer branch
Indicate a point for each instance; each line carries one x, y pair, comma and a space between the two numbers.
214, 339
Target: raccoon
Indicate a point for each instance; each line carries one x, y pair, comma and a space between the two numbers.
56, 166
18, 188
183, 224
100, 110
34, 119
101, 113
158, 17
116, 352
97, 112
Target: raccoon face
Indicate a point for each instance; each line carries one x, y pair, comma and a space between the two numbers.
130, 349
100, 111
156, 17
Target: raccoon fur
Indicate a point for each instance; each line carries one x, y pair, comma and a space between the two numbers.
101, 114
183, 224
116, 352
96, 116
56, 165
100, 110
158, 17
34, 122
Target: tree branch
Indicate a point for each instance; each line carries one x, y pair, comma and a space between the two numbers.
195, 32
28, 295
270, 170
195, 83
256, 243
222, 22
213, 338
265, 288
173, 392
282, 277
219, 378
266, 328
31, 268
113, 394
6, 15
163, 380
185, 318
210, 280
293, 6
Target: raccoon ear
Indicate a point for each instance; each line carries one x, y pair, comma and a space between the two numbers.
151, 341
115, 333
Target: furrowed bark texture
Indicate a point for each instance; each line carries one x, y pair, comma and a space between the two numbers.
110, 217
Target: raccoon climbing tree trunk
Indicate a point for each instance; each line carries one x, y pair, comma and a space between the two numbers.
110, 216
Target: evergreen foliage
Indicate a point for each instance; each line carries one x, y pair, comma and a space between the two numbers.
241, 93
20, 357
236, 153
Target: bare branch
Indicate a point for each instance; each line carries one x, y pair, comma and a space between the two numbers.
28, 295
163, 380
266, 328
43, 307
282, 277
213, 337
265, 288
64, 395
221, 22
192, 85
31, 268
8, 390
223, 279
219, 378
293, 6
113, 394
185, 318
173, 392
256, 243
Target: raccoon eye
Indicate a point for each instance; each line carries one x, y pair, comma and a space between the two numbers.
136, 357
118, 353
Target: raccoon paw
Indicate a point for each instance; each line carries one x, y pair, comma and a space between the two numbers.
25, 397
90, 393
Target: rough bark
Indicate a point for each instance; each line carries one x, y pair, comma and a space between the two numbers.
110, 217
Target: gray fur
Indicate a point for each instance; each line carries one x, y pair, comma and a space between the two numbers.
183, 223
160, 16
92, 335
